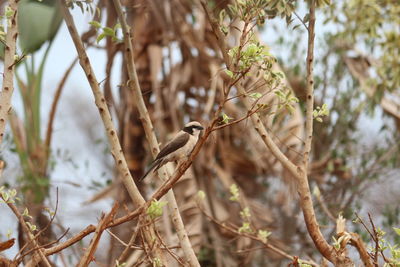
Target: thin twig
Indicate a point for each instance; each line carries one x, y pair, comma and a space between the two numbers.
19, 259
31, 237
176, 257
52, 217
377, 246
127, 245
253, 237
89, 254
301, 20
131, 241
52, 112
249, 113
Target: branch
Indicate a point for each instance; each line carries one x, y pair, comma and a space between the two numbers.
88, 256
249, 113
31, 237
8, 73
100, 101
52, 113
306, 202
258, 125
52, 217
253, 237
298, 172
91, 228
309, 88
133, 83
357, 242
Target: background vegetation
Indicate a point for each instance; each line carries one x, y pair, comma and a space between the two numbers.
298, 164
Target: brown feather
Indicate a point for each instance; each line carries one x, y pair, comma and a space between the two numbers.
179, 142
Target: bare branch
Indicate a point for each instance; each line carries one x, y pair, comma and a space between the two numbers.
89, 254
9, 59
100, 101
52, 112
41, 255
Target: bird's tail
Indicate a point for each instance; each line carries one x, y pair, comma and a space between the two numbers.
153, 165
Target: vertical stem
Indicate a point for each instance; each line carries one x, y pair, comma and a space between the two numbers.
9, 66
306, 202
309, 88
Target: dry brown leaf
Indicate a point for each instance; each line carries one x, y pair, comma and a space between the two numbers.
7, 244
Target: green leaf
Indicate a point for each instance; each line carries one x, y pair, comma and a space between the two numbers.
9, 233
201, 195
100, 37
255, 95
245, 228
304, 264
117, 26
225, 118
263, 235
316, 192
8, 12
108, 31
155, 208
229, 73
251, 50
32, 227
245, 214
234, 192
397, 230
306, 18
38, 22
95, 24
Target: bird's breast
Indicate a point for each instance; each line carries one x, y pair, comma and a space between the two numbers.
187, 149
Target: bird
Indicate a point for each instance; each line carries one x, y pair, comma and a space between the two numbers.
179, 147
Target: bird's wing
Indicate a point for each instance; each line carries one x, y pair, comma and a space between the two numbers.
179, 141
152, 166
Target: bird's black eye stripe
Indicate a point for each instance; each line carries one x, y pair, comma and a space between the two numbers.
188, 129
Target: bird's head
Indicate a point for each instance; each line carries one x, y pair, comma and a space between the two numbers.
193, 128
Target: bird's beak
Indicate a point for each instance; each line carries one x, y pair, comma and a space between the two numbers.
201, 128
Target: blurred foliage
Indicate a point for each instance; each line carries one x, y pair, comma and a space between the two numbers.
359, 37
371, 26
34, 32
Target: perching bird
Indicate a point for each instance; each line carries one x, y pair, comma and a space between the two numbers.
179, 147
